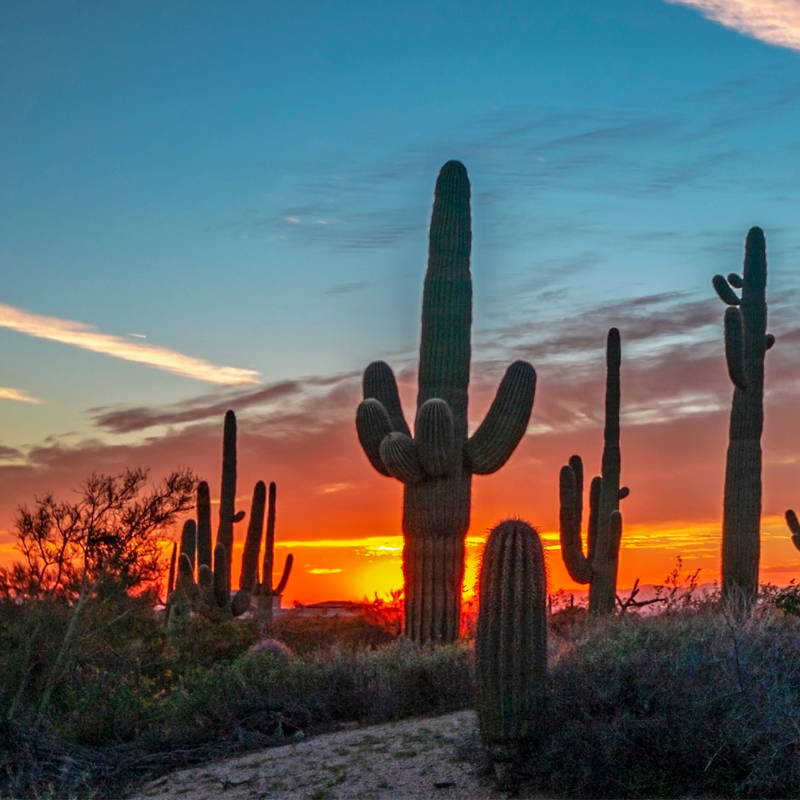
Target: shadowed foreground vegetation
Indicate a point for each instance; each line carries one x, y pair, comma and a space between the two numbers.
685, 703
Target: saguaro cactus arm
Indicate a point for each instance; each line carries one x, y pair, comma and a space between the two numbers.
794, 527
435, 437
204, 547
379, 382
171, 574
726, 294
578, 566
248, 577
373, 425
734, 347
189, 541
506, 421
287, 569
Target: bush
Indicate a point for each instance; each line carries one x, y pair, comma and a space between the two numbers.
675, 705
307, 635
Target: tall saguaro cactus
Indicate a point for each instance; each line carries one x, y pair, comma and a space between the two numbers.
511, 639
436, 464
598, 567
746, 343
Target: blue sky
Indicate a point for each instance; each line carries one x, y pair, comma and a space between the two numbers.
247, 186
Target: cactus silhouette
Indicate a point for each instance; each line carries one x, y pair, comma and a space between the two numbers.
794, 527
746, 343
205, 583
436, 464
511, 640
598, 567
263, 589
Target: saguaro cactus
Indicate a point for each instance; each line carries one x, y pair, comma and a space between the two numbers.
264, 589
207, 585
436, 464
598, 567
511, 640
746, 342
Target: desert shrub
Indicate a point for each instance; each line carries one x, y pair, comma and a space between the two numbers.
307, 635
676, 705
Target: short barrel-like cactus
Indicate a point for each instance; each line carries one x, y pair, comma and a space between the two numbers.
746, 343
436, 463
511, 640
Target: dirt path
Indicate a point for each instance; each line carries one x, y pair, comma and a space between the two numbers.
432, 757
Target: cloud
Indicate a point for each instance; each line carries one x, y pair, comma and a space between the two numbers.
772, 21
346, 288
20, 395
207, 406
84, 336
10, 453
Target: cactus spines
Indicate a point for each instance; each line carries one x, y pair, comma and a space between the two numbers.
794, 527
511, 639
746, 342
437, 462
598, 566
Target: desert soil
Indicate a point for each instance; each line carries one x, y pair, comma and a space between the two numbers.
432, 757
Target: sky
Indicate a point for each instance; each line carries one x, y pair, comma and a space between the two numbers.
208, 205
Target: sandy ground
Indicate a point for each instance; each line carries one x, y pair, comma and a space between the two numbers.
432, 757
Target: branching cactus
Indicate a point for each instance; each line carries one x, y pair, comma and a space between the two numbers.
598, 566
511, 642
794, 527
746, 343
206, 586
263, 589
204, 574
436, 464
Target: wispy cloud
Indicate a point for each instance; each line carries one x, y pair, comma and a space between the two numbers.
78, 334
20, 395
135, 418
771, 21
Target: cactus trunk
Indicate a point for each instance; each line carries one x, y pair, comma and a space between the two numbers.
227, 494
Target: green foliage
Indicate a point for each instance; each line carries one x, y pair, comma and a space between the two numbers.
107, 541
308, 635
689, 704
128, 703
